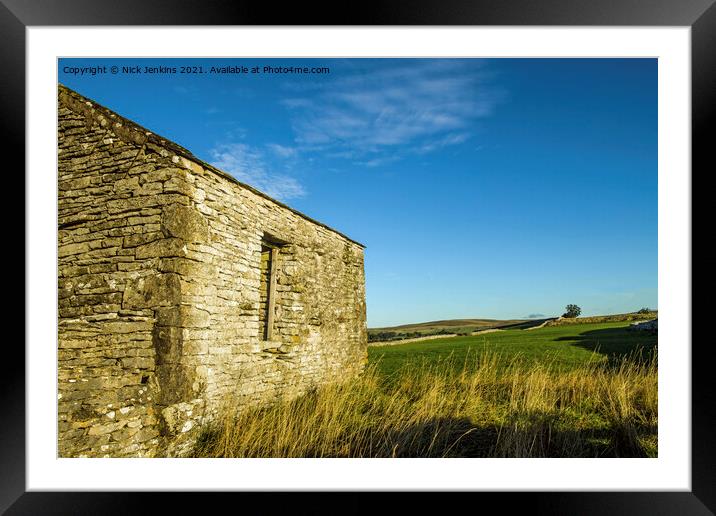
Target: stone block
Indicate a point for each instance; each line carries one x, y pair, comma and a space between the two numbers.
161, 248
185, 223
106, 429
167, 342
152, 291
142, 238
126, 185
185, 316
71, 249
176, 383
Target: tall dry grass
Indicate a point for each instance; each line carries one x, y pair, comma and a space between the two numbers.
483, 407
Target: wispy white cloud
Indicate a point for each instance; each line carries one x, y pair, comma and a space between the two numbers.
249, 165
371, 116
282, 151
296, 103
378, 162
413, 107
439, 143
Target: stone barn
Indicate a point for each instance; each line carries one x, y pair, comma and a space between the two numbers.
181, 289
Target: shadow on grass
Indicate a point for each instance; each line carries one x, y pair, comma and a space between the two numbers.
440, 437
533, 435
539, 436
616, 343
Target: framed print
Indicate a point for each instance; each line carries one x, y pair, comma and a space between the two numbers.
249, 207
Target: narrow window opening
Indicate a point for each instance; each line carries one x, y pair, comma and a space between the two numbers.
267, 290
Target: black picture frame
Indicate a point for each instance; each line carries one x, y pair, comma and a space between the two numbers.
700, 15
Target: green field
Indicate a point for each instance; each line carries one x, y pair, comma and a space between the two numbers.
575, 390
564, 347
468, 326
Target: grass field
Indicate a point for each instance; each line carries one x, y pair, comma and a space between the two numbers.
564, 347
587, 390
468, 326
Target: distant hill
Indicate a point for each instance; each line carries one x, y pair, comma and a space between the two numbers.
450, 323
467, 326
445, 327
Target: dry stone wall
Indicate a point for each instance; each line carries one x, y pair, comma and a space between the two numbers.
160, 280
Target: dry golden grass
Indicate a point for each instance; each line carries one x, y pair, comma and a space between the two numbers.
481, 408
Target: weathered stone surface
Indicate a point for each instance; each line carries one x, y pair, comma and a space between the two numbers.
163, 283
176, 383
138, 239
168, 342
184, 316
159, 248
70, 249
153, 291
188, 267
185, 223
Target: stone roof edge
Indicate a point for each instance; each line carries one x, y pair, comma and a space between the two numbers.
147, 136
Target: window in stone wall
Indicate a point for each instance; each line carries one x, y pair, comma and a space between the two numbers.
267, 288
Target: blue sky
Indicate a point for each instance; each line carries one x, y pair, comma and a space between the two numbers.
498, 188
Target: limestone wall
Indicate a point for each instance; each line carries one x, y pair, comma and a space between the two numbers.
159, 278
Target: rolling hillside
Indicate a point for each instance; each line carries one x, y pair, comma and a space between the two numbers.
446, 327
468, 326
